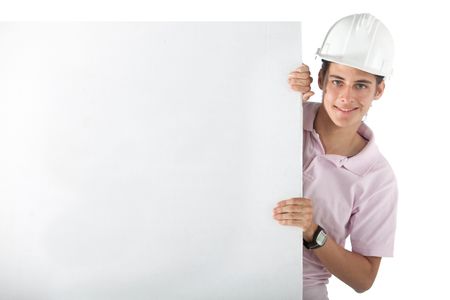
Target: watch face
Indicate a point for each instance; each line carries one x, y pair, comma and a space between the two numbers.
321, 238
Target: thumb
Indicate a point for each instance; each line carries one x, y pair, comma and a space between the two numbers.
307, 95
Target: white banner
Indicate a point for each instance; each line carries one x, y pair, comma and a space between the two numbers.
143, 161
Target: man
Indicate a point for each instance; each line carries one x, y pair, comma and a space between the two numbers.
349, 187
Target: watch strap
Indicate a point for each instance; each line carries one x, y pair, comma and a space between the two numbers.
313, 244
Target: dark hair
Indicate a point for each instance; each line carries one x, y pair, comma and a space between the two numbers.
326, 65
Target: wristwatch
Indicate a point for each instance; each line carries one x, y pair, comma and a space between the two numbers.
319, 239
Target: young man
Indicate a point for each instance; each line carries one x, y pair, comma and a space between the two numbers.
349, 187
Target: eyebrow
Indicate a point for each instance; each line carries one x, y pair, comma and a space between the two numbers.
358, 81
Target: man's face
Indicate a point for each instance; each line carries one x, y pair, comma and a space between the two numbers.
348, 93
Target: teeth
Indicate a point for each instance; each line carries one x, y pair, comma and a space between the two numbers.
346, 110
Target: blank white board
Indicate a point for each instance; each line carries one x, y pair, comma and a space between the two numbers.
143, 160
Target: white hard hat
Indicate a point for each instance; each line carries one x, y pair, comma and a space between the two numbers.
360, 41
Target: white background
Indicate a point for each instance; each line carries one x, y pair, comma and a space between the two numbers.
143, 161
410, 121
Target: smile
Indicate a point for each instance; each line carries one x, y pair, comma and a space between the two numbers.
345, 110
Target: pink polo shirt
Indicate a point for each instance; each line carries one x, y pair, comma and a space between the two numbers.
354, 197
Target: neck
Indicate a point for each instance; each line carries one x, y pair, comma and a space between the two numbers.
337, 140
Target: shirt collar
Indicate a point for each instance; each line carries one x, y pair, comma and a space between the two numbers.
359, 164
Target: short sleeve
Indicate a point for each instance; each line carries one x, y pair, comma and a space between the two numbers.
373, 221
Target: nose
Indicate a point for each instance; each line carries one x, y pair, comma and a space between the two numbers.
345, 95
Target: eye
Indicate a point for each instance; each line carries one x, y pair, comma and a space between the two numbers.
336, 82
360, 86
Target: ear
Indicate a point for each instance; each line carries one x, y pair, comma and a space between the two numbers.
320, 79
379, 90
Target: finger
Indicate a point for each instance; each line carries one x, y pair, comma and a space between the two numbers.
294, 216
300, 81
299, 75
301, 208
296, 208
304, 217
287, 216
294, 223
303, 68
301, 88
295, 201
285, 202
307, 95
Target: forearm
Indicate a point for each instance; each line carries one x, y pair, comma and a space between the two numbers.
352, 268
356, 270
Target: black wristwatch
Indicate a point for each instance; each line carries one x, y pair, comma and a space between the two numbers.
319, 239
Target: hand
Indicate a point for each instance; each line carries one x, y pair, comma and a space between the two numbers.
300, 80
296, 212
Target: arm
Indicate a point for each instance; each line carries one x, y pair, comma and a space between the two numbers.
356, 270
